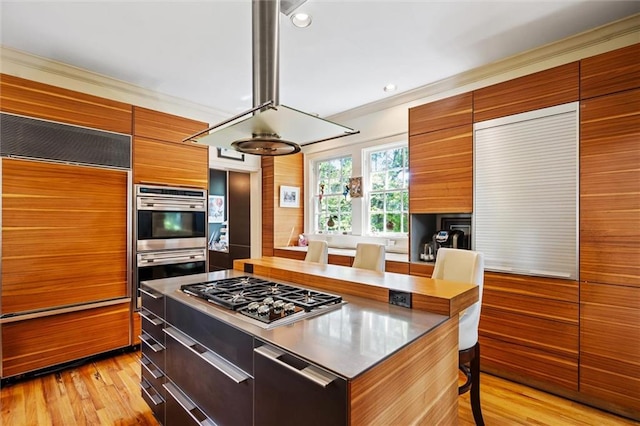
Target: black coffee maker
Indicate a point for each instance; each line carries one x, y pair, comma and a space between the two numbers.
454, 238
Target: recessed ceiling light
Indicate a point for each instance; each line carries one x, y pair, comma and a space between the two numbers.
301, 20
390, 87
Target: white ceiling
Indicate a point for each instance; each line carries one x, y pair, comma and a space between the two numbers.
201, 51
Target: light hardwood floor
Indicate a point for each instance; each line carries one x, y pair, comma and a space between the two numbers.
106, 392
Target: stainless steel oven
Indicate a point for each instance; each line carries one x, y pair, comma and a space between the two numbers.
170, 218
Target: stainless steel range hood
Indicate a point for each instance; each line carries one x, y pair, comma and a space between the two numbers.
271, 128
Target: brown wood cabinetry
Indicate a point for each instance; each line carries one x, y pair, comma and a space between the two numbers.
543, 89
529, 328
167, 163
609, 182
41, 342
441, 156
38, 100
281, 225
610, 344
162, 126
421, 269
64, 236
610, 72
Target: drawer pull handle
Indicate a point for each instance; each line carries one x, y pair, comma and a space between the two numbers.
149, 341
146, 315
213, 359
156, 373
310, 372
148, 293
194, 412
156, 399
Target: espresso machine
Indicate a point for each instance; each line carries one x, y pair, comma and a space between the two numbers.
453, 238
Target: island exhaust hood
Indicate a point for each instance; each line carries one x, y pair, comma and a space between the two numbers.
272, 129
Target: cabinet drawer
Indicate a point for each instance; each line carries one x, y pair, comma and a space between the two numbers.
153, 350
152, 324
228, 342
181, 410
217, 387
152, 301
154, 398
152, 374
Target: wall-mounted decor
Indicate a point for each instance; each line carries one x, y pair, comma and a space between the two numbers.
216, 209
289, 196
355, 187
231, 154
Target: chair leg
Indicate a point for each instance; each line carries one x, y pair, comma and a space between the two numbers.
475, 387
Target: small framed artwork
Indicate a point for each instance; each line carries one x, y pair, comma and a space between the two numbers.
231, 154
289, 196
355, 187
216, 209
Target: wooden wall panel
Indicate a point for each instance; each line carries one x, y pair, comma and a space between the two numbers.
268, 205
168, 163
443, 114
610, 344
43, 342
610, 72
38, 100
609, 194
543, 89
64, 235
162, 126
288, 223
441, 165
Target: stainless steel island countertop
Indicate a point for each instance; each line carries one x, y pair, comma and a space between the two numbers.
347, 341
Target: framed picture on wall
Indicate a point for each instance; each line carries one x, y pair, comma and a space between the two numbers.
216, 209
289, 196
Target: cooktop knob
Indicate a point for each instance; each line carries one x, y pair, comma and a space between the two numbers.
268, 301
253, 306
264, 310
289, 307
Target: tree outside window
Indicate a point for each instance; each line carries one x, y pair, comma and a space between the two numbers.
332, 208
389, 191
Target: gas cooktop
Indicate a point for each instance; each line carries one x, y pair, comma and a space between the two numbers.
268, 302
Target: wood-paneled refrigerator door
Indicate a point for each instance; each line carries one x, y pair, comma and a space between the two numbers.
64, 249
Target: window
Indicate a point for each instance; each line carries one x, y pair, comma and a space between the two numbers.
332, 207
388, 190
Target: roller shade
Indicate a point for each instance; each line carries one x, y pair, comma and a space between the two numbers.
526, 192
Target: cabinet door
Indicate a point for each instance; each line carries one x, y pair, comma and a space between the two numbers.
37, 343
610, 72
609, 182
168, 163
290, 391
162, 126
441, 165
64, 235
444, 114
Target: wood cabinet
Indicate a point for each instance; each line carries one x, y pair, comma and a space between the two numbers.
529, 328
543, 89
609, 182
441, 156
168, 163
610, 72
37, 343
159, 155
64, 236
38, 100
281, 225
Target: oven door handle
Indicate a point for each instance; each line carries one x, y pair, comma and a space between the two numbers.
213, 359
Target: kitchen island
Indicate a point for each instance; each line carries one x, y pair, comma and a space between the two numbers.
366, 362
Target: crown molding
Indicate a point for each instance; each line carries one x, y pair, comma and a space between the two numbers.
21, 64
617, 34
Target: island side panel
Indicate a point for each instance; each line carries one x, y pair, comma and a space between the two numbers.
417, 385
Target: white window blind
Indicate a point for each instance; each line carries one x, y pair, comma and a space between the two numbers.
526, 192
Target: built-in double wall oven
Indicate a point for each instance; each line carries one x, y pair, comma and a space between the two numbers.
170, 229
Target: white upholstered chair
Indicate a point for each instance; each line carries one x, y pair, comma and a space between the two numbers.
317, 251
468, 267
369, 256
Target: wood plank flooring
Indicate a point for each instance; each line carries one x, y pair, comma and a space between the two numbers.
107, 392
